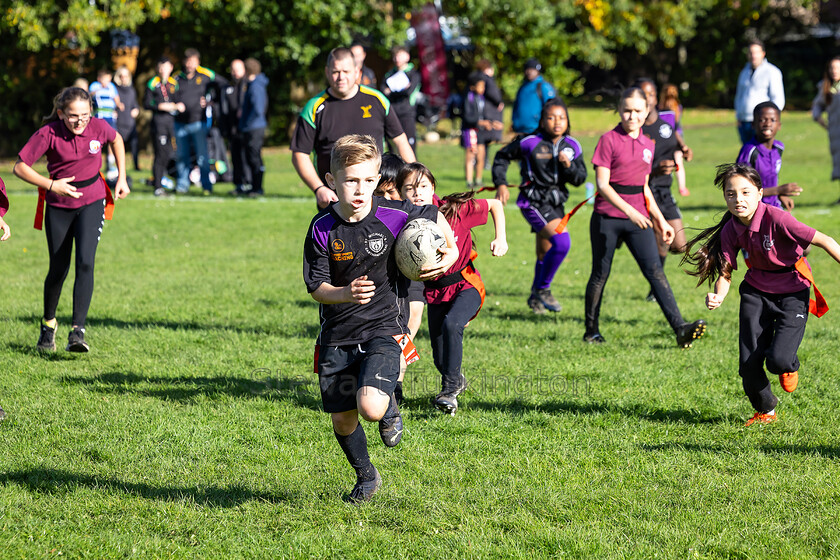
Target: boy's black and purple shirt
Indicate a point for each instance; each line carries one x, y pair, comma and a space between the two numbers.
767, 162
337, 252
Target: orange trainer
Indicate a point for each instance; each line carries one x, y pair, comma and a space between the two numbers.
761, 418
789, 381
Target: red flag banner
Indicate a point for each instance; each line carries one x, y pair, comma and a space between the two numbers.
432, 55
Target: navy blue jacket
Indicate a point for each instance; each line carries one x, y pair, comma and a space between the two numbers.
254, 105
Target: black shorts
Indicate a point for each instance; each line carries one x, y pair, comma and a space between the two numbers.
343, 370
415, 291
667, 205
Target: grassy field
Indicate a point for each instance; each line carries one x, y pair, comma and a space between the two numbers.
193, 429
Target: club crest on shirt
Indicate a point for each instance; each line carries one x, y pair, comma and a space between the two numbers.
95, 147
568, 152
375, 244
665, 130
767, 243
366, 111
647, 156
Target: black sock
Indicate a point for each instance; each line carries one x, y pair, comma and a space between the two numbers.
398, 392
393, 410
355, 448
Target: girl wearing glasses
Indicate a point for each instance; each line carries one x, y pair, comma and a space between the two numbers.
77, 201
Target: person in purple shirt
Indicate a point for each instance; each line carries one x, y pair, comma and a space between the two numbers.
549, 160
775, 291
75, 194
764, 154
625, 210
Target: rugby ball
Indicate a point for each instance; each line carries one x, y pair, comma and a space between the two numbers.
417, 247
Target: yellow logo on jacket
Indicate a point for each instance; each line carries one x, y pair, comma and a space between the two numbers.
366, 111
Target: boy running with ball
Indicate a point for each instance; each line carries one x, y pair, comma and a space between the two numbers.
349, 268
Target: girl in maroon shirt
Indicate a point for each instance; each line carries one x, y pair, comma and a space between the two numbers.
455, 298
625, 211
75, 194
776, 288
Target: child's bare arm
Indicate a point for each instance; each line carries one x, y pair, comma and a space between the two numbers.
4, 227
359, 291
499, 245
714, 299
449, 254
828, 244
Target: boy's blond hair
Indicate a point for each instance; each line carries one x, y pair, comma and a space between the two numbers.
352, 150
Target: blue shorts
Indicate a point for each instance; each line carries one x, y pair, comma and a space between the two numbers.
343, 370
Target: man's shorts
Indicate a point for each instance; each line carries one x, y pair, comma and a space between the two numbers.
539, 211
343, 370
667, 205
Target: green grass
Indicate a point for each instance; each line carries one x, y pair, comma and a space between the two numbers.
193, 429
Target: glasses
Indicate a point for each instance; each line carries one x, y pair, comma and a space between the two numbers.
77, 118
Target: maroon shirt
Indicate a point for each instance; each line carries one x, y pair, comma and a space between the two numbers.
71, 155
4, 200
471, 214
629, 161
774, 240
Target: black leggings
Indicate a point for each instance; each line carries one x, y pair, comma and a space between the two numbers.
604, 233
63, 226
771, 330
252, 143
446, 331
162, 134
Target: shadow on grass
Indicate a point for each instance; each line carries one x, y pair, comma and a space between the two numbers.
188, 389
827, 451
284, 330
643, 412
58, 356
53, 481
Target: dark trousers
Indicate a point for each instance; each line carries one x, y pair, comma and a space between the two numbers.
131, 144
771, 330
604, 234
446, 331
162, 134
241, 175
252, 143
63, 227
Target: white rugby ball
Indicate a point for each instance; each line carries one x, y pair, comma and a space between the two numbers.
417, 246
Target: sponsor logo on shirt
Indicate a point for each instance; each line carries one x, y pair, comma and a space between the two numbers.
767, 243
778, 166
375, 244
366, 111
95, 147
542, 153
647, 156
338, 253
665, 130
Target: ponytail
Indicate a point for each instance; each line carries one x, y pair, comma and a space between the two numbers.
64, 98
708, 262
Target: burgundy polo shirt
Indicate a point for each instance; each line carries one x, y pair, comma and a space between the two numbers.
629, 161
71, 155
4, 200
773, 241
